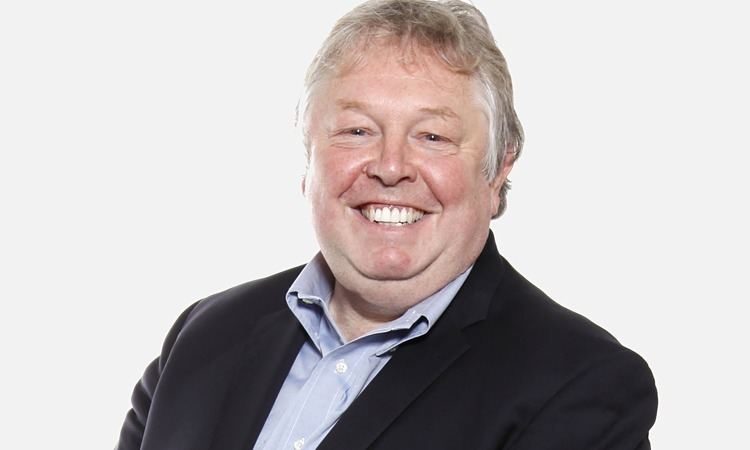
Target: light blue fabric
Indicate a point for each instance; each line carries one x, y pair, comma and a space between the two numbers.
328, 374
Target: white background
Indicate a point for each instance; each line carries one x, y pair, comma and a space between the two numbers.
148, 159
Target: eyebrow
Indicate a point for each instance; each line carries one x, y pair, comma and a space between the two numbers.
350, 104
443, 112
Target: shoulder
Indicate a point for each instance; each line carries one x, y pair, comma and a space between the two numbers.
550, 347
252, 299
567, 377
541, 331
224, 319
527, 310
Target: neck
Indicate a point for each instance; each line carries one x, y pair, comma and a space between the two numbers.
355, 316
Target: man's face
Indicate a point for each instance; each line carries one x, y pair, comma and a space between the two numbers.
395, 179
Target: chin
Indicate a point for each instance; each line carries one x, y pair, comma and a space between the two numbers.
390, 264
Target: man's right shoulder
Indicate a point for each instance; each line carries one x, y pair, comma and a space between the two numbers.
224, 318
257, 297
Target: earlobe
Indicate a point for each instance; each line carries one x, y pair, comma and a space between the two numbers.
496, 186
502, 175
497, 182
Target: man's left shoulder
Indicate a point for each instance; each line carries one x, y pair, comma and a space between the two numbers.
528, 329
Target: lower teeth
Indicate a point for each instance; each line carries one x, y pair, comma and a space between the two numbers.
398, 224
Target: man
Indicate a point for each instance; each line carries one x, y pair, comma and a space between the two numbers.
408, 330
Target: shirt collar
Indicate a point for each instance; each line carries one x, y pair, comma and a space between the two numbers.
310, 294
315, 282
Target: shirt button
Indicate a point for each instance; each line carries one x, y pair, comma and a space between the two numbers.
341, 366
299, 443
307, 300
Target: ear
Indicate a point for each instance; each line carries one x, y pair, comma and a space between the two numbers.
502, 175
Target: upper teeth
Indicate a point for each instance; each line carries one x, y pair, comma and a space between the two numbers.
392, 214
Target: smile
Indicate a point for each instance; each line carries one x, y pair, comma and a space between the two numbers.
392, 215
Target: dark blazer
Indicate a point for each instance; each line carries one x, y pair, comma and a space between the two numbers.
505, 367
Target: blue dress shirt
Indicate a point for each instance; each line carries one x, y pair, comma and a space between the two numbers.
329, 373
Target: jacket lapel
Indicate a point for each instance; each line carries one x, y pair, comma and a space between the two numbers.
417, 364
411, 370
263, 367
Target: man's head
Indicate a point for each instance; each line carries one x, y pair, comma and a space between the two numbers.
456, 33
410, 133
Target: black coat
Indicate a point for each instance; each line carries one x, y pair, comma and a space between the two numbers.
504, 367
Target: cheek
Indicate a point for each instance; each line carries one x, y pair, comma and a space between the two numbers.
331, 174
457, 185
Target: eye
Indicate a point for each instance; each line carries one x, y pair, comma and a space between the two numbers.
435, 138
435, 142
352, 137
357, 132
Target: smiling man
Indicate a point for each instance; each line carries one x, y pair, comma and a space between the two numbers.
408, 330
400, 202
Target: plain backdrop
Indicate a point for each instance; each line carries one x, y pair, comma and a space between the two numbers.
149, 158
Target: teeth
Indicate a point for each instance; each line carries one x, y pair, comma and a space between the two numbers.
392, 215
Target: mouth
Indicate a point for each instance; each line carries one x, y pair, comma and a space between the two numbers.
392, 215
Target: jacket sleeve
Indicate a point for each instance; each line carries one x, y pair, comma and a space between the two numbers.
609, 405
131, 434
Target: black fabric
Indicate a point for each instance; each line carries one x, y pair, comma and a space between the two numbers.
505, 367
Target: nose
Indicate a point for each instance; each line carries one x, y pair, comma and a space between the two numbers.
392, 164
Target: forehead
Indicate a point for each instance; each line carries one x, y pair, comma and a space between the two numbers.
388, 59
383, 73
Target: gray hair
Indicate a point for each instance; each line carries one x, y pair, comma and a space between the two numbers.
455, 32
